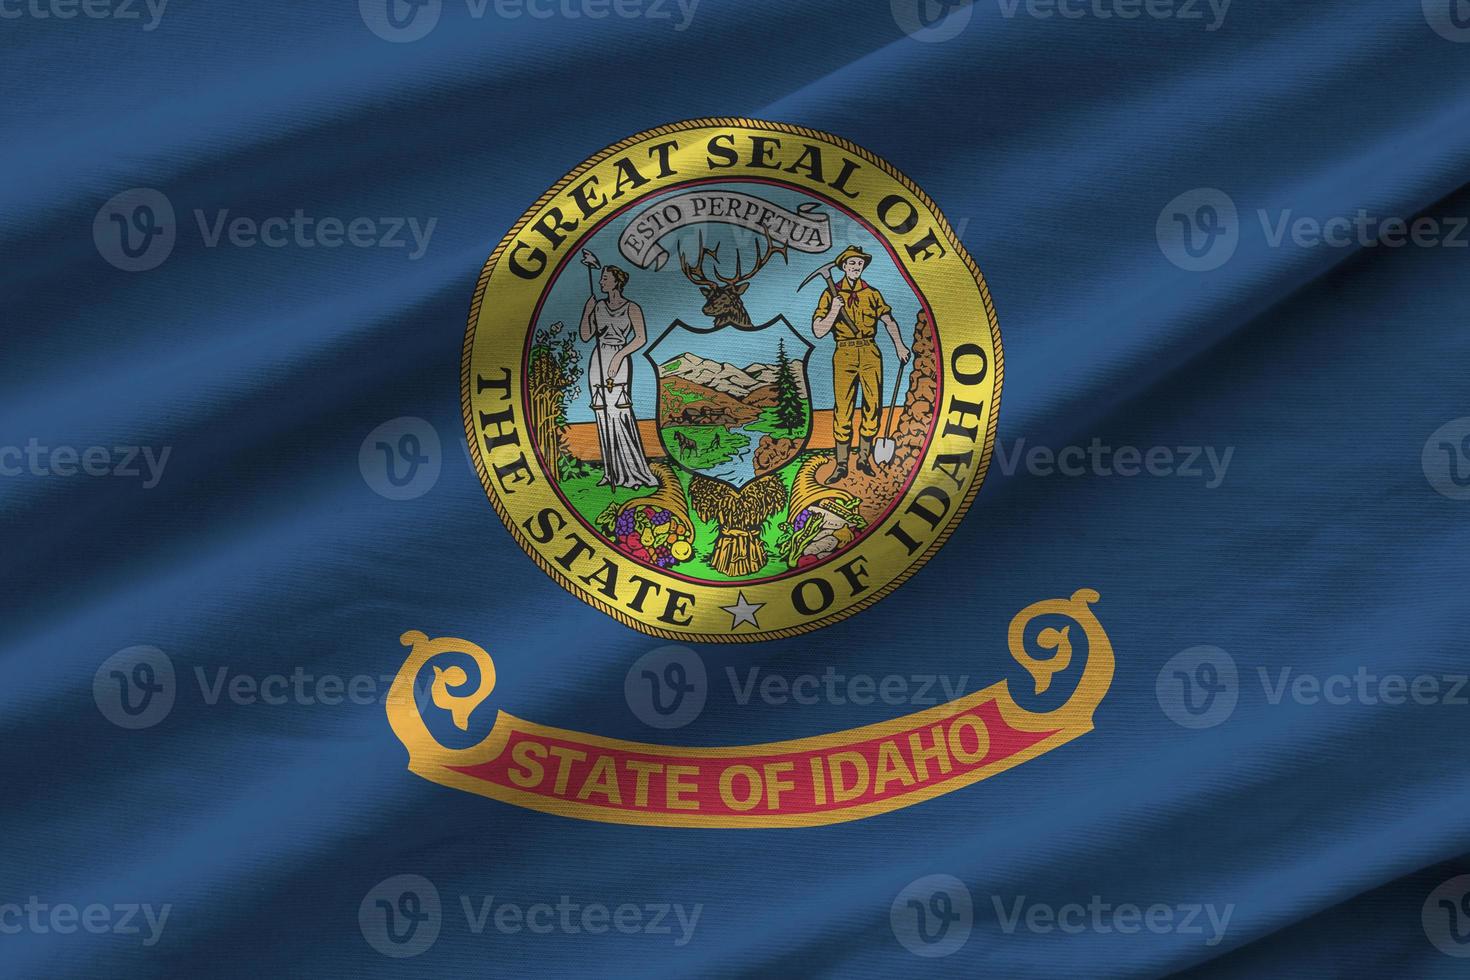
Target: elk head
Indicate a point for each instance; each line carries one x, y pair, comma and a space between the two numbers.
721, 295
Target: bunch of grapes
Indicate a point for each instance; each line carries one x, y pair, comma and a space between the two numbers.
651, 536
802, 543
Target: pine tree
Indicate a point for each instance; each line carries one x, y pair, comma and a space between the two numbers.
790, 408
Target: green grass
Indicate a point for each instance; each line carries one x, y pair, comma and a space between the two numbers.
705, 533
678, 391
768, 423
590, 500
715, 444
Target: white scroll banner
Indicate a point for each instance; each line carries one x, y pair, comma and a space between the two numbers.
802, 229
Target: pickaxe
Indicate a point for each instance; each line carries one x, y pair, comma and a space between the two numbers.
885, 447
826, 271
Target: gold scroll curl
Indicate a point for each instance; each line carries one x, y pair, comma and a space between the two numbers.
446, 692
452, 690
1097, 674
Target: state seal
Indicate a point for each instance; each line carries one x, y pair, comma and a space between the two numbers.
731, 380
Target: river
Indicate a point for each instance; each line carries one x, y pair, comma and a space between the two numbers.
740, 469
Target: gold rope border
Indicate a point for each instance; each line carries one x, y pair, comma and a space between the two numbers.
774, 127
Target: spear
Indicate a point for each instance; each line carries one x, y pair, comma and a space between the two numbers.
590, 261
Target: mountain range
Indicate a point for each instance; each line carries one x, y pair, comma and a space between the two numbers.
739, 383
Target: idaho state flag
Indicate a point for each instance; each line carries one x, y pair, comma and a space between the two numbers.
696, 488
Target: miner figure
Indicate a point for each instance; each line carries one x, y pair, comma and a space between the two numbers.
851, 311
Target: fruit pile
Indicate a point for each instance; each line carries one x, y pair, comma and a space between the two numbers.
817, 532
825, 519
652, 536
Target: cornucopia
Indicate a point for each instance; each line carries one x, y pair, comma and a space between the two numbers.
655, 528
822, 519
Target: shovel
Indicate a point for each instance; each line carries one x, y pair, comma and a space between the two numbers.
884, 446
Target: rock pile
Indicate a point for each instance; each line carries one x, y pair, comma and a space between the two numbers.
910, 428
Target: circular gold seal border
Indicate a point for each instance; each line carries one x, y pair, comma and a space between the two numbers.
774, 127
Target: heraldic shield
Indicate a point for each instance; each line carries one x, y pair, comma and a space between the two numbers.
733, 403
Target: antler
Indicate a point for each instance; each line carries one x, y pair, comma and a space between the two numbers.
696, 274
772, 250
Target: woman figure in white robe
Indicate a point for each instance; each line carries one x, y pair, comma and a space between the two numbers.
616, 323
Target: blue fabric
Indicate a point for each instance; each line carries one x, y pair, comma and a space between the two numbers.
1054, 144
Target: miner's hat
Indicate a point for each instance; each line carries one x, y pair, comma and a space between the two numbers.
853, 252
